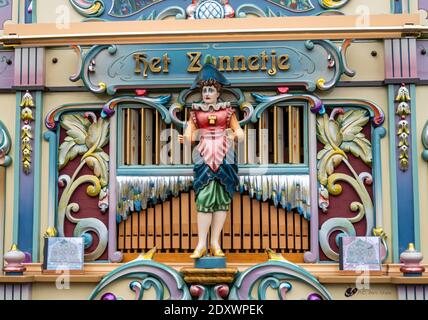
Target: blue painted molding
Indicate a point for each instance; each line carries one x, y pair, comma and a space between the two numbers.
378, 134
397, 6
187, 170
415, 168
404, 182
314, 65
30, 11
37, 159
393, 175
29, 182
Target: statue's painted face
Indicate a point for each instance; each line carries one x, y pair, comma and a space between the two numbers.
210, 94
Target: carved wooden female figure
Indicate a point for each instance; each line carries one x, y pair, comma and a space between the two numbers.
214, 124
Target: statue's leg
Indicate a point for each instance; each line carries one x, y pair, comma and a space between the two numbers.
204, 223
217, 225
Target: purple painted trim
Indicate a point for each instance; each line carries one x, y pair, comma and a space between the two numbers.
6, 70
312, 256
401, 59
423, 5
396, 56
108, 111
405, 63
413, 58
388, 60
5, 13
29, 67
113, 254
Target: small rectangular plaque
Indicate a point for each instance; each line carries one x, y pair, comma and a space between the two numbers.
360, 254
63, 254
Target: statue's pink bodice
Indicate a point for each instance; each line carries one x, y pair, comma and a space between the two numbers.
213, 142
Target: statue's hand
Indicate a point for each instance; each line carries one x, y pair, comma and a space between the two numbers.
230, 134
180, 138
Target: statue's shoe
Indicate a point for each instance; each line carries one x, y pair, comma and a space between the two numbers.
217, 252
198, 253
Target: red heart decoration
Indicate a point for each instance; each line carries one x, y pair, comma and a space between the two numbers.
283, 90
141, 92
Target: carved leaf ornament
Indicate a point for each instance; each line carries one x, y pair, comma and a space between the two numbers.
86, 136
341, 134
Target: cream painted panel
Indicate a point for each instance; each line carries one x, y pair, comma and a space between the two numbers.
82, 291
58, 74
421, 118
380, 97
367, 67
357, 7
50, 291
53, 11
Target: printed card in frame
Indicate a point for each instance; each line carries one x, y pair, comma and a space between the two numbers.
64, 254
360, 253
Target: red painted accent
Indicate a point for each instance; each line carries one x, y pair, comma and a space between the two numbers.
140, 92
340, 205
283, 90
88, 205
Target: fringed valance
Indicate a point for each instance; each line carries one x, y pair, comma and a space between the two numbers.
288, 191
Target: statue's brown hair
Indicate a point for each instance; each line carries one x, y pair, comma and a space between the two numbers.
209, 83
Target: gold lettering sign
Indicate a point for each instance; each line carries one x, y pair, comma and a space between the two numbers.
269, 62
155, 64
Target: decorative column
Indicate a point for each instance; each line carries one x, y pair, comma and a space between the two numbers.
29, 82
401, 77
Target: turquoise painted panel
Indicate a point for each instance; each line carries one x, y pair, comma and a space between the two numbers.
312, 64
202, 9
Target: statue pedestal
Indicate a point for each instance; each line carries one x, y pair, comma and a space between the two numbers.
209, 276
210, 263
209, 284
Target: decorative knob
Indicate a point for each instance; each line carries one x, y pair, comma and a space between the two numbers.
14, 259
411, 260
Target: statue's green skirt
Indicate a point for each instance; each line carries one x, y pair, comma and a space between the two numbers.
213, 198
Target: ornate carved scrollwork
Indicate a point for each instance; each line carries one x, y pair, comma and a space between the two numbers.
403, 130
146, 274
86, 136
27, 118
341, 134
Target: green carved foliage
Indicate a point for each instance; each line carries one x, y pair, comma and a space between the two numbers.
340, 136
88, 139
354, 141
